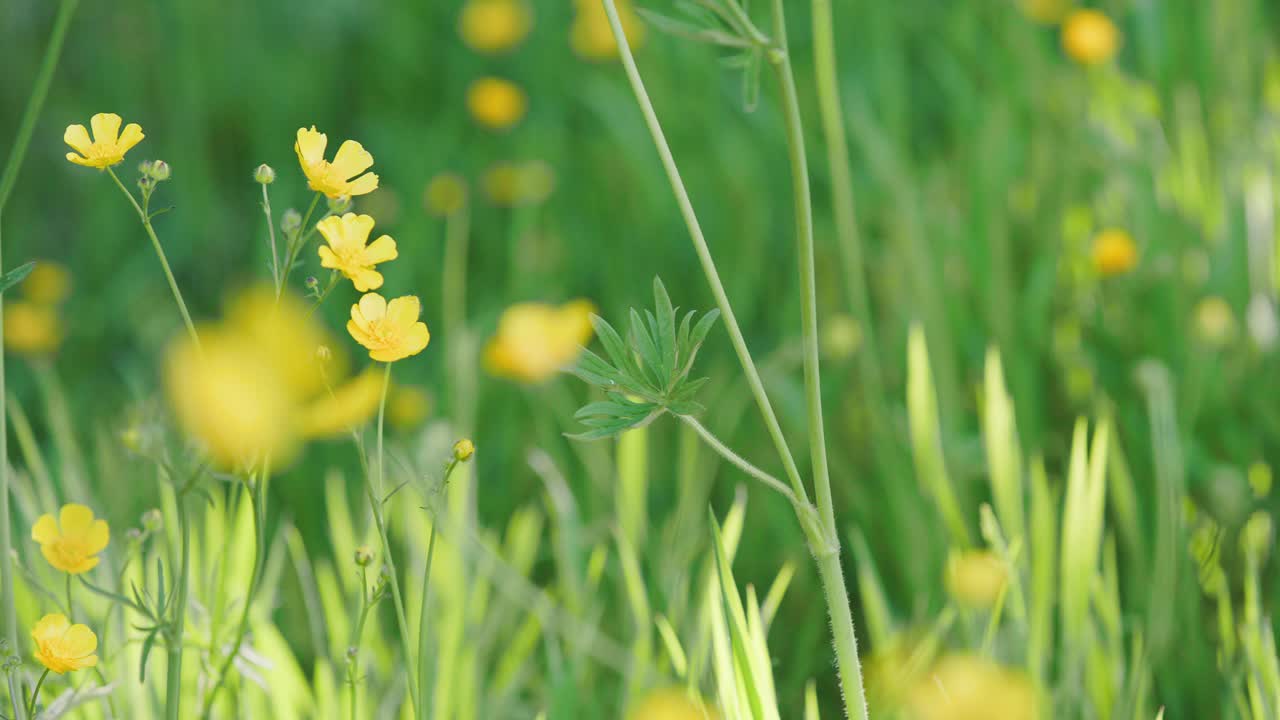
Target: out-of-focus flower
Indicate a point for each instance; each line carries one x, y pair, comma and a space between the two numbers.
672, 704
348, 406
287, 333
966, 687
48, 284
534, 341
408, 406
591, 37
345, 176
389, 330
496, 103
350, 252
446, 194
494, 26
31, 328
1047, 12
72, 542
62, 647
1215, 323
841, 336
108, 145
1114, 252
1090, 37
519, 184
976, 577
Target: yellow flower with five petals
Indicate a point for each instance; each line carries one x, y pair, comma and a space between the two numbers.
535, 341
108, 145
350, 252
61, 646
345, 176
389, 330
72, 542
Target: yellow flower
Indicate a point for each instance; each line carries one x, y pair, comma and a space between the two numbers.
72, 542
345, 176
350, 251
672, 704
389, 330
347, 407
31, 328
287, 336
535, 341
511, 185
108, 145
496, 103
1114, 252
492, 26
446, 194
48, 284
463, 450
63, 647
1045, 11
1089, 37
964, 687
976, 577
591, 36
408, 406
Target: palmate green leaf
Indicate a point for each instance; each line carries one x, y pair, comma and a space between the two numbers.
617, 350
666, 322
644, 344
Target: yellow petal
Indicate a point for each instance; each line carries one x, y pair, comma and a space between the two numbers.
106, 128
78, 138
417, 338
334, 231
131, 136
351, 160
365, 279
372, 308
79, 641
311, 145
403, 312
88, 662
381, 250
75, 519
328, 259
49, 626
73, 157
356, 328
45, 530
98, 536
363, 185
357, 228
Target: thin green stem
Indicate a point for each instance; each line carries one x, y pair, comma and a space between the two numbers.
745, 465
35, 694
115, 597
353, 668
164, 260
9, 179
424, 625
295, 244
71, 608
704, 254
271, 238
173, 692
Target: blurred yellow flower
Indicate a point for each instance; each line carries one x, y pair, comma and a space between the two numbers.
534, 341
389, 330
976, 577
72, 542
512, 184
350, 252
286, 334
31, 328
48, 284
496, 103
345, 176
672, 704
446, 194
1047, 12
1215, 323
591, 36
493, 26
108, 145
63, 647
966, 687
408, 406
1114, 252
347, 407
1090, 37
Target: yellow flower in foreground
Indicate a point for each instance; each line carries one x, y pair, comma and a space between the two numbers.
286, 335
496, 103
31, 328
535, 341
347, 407
63, 647
108, 145
964, 687
72, 542
48, 284
350, 252
1089, 37
591, 36
492, 26
976, 577
389, 330
672, 704
345, 176
1114, 252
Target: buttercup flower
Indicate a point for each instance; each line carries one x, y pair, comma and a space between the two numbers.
72, 542
1114, 252
389, 330
496, 103
48, 284
31, 328
493, 26
976, 577
672, 704
345, 176
535, 341
463, 450
1089, 37
63, 647
964, 687
591, 36
350, 251
108, 145
348, 406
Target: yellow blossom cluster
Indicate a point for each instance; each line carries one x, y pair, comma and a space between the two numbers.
33, 323
70, 543
591, 36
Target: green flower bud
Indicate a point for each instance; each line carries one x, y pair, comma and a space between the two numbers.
264, 175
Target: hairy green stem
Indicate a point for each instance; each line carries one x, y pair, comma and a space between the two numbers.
745, 465
173, 675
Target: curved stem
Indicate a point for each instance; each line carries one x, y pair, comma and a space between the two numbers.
742, 463
35, 694
704, 253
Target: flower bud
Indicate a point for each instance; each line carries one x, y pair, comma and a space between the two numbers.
463, 450
152, 520
312, 282
364, 556
264, 175
351, 653
157, 170
290, 221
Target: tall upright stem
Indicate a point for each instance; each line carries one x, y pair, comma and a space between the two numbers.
35, 103
173, 675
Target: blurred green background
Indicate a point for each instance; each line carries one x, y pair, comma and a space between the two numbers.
985, 161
